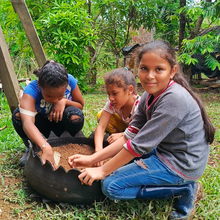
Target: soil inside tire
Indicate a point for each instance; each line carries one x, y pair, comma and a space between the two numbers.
70, 149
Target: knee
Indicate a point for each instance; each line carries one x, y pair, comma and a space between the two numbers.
74, 115
75, 118
105, 189
16, 116
141, 164
110, 189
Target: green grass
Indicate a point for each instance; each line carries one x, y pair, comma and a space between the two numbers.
16, 196
93, 104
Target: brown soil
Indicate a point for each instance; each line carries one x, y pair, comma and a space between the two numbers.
69, 150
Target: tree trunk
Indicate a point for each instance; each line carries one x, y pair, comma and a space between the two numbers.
93, 76
117, 60
183, 68
182, 25
92, 73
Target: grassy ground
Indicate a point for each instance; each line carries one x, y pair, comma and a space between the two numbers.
17, 201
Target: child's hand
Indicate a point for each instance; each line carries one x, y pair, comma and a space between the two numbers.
89, 175
48, 155
114, 137
78, 160
99, 164
56, 113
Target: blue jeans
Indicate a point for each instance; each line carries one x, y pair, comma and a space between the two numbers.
126, 182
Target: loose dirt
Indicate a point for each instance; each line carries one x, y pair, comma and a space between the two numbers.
70, 149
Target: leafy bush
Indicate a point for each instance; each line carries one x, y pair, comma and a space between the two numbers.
66, 33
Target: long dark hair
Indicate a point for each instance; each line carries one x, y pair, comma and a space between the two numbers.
166, 51
52, 74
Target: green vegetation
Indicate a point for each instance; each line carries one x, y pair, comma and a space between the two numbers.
16, 201
86, 36
66, 31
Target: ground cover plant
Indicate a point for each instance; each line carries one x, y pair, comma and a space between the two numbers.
18, 201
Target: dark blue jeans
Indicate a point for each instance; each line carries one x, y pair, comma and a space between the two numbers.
45, 126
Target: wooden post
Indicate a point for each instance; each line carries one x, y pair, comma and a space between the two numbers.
7, 75
21, 9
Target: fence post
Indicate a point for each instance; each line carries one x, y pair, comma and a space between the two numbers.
21, 9
7, 75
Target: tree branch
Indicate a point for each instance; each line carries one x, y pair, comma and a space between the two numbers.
197, 27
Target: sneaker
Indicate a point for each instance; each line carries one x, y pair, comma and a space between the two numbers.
24, 158
185, 203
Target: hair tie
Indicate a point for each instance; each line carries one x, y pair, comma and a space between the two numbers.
127, 68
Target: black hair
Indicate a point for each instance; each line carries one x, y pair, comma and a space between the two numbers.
52, 74
122, 77
166, 51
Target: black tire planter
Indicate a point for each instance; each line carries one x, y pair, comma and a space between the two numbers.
59, 185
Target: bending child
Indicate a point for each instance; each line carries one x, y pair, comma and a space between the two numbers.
51, 103
119, 110
170, 133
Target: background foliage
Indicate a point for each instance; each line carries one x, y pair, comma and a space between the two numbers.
66, 32
88, 36
200, 16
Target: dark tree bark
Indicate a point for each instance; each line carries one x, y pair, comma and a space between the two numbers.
184, 68
197, 27
182, 24
93, 69
92, 73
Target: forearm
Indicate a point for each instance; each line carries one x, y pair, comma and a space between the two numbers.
73, 103
119, 160
34, 134
109, 151
98, 139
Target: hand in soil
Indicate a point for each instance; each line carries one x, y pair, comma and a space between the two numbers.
48, 155
79, 160
89, 175
71, 149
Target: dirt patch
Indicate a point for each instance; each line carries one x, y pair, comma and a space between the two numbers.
214, 158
